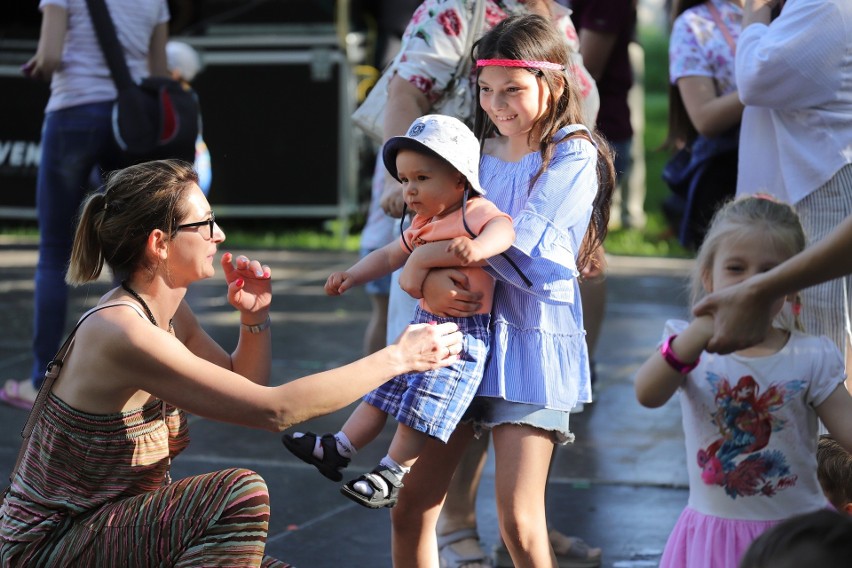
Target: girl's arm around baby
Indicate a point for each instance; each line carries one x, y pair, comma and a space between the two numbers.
496, 236
658, 378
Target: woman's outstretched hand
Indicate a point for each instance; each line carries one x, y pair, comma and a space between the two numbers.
426, 346
249, 285
740, 317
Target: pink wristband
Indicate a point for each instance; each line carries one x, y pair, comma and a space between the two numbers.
673, 360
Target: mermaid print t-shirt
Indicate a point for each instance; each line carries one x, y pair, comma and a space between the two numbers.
751, 428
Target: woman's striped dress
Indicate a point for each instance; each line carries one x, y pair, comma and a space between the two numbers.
90, 492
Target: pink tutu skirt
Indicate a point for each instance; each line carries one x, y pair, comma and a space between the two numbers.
704, 541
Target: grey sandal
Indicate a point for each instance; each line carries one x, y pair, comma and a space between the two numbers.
449, 558
377, 479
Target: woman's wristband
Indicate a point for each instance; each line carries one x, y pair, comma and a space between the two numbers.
673, 360
257, 328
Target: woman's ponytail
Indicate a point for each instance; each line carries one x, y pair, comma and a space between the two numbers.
87, 258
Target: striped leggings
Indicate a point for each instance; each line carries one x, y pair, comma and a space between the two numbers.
216, 519
827, 308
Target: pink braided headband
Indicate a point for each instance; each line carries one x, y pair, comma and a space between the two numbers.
519, 63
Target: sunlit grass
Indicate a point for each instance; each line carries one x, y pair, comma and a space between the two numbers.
295, 240
326, 237
656, 239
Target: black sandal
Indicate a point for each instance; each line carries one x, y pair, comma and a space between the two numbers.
331, 464
375, 478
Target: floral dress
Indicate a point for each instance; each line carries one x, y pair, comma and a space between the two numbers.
434, 43
698, 47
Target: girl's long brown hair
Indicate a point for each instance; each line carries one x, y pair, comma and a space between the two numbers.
533, 37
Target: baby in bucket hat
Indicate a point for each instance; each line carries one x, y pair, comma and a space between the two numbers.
437, 162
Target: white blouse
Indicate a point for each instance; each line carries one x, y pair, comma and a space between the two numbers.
83, 76
795, 78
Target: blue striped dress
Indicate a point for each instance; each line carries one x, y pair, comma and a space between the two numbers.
538, 348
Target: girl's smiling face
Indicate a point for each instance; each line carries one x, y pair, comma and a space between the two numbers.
513, 98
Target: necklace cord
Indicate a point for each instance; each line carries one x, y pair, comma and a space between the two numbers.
145, 307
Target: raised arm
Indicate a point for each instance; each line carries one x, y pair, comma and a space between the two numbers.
250, 292
657, 380
742, 312
758, 12
792, 62
378, 263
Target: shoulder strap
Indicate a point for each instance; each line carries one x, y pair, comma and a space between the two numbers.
110, 46
50, 375
477, 22
720, 23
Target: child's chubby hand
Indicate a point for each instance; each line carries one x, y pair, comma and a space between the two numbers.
465, 249
338, 283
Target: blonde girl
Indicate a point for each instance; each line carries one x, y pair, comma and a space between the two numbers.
749, 418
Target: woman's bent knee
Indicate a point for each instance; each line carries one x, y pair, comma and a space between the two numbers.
248, 491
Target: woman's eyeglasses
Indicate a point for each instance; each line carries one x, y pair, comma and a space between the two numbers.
208, 222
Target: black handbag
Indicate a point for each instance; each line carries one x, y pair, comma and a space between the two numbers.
701, 176
155, 119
